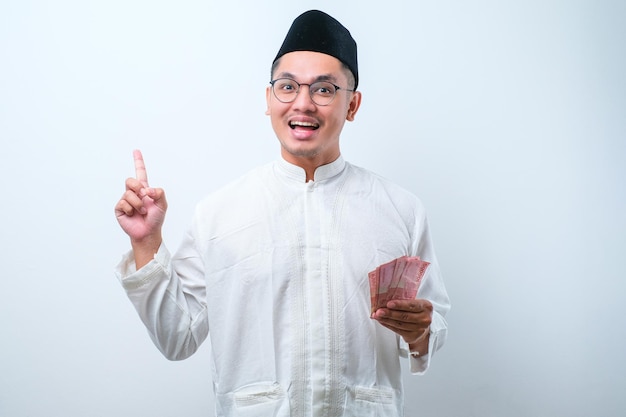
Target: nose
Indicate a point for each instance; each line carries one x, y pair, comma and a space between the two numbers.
303, 100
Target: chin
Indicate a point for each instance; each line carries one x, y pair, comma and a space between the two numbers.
299, 150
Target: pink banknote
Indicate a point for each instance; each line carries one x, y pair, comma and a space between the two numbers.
398, 279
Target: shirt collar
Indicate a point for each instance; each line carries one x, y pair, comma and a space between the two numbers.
322, 173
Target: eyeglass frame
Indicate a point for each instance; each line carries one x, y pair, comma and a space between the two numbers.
337, 88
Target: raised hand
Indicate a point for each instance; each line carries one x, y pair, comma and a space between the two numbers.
141, 211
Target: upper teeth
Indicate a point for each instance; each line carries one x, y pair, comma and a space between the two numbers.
305, 124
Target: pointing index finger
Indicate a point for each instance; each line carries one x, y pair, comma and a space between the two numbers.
140, 168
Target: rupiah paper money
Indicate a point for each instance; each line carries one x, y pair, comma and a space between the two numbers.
398, 279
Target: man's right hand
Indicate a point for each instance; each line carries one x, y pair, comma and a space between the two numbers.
141, 212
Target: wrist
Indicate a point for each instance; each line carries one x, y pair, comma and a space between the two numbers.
145, 249
148, 243
419, 346
424, 335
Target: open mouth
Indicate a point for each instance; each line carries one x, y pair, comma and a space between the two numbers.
303, 125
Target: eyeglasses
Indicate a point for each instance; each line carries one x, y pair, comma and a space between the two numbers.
322, 92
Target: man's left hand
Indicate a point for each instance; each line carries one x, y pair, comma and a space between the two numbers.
410, 319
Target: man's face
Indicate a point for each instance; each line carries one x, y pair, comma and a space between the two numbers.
309, 133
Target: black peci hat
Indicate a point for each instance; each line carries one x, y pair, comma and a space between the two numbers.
316, 31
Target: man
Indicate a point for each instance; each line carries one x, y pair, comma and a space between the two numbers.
275, 265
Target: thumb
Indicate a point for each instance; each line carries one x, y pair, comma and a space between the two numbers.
158, 197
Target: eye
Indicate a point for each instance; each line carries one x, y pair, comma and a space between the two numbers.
286, 86
323, 89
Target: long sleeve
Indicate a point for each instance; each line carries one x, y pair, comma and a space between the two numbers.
433, 289
169, 296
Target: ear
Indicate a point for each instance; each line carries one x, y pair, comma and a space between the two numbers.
353, 106
268, 97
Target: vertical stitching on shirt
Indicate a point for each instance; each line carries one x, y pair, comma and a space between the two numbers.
300, 375
335, 297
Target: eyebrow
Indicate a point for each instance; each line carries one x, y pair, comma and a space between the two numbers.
323, 77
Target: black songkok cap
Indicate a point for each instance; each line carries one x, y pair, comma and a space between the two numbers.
318, 32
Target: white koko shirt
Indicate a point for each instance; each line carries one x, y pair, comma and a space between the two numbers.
276, 269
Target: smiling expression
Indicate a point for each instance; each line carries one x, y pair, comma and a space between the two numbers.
309, 133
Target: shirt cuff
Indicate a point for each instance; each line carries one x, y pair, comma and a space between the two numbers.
438, 332
131, 278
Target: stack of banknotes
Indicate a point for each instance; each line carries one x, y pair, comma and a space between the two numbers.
396, 280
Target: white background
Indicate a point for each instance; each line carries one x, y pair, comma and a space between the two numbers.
506, 117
